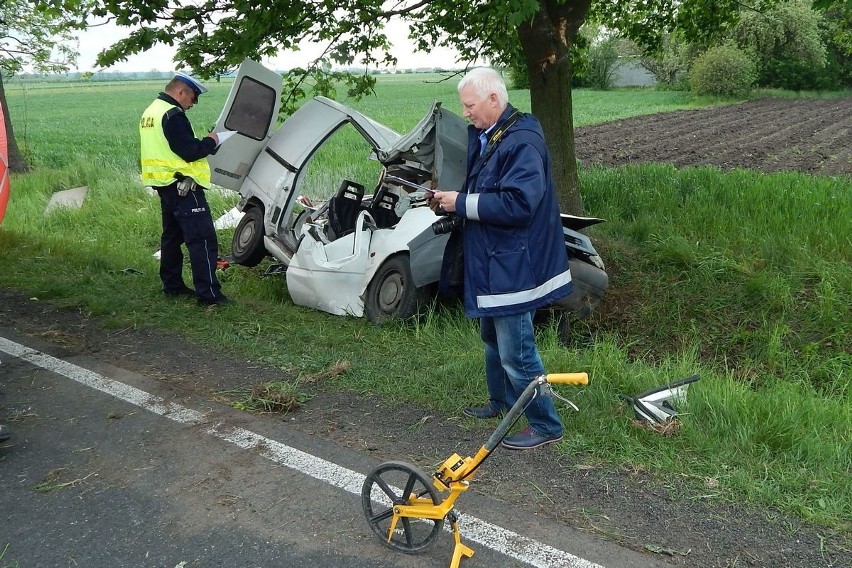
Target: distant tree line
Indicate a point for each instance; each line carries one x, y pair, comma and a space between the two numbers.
99, 76
154, 74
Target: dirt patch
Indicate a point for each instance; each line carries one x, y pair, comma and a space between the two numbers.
664, 517
769, 135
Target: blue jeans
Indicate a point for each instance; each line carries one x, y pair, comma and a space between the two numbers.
511, 362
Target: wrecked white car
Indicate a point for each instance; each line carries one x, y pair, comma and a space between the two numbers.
339, 200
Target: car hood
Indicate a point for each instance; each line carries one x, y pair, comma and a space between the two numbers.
438, 144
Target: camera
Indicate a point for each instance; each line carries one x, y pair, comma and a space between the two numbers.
447, 224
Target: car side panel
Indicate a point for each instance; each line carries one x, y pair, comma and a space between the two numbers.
331, 276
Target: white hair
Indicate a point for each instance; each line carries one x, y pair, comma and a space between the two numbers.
485, 81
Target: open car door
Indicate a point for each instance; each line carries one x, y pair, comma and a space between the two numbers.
251, 110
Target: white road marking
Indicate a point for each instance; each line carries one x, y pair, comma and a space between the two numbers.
499, 539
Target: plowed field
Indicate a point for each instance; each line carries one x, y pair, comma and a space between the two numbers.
811, 136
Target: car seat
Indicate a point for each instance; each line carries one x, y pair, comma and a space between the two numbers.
383, 208
343, 209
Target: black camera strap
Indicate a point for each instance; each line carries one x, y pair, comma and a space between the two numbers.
498, 134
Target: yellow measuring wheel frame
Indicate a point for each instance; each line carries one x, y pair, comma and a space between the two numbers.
406, 508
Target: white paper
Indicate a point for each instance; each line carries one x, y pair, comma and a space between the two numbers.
224, 135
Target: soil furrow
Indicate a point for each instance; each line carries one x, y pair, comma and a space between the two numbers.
812, 136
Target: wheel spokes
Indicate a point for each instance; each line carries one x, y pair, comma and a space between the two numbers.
398, 483
406, 529
409, 488
384, 515
388, 491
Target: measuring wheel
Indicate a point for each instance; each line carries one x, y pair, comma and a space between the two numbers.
400, 483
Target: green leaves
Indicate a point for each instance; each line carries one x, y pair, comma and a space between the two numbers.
826, 4
319, 79
40, 34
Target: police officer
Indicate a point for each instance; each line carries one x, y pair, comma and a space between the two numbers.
174, 163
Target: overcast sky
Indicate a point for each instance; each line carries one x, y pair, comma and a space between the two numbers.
160, 57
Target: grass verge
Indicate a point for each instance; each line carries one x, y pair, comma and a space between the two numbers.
741, 277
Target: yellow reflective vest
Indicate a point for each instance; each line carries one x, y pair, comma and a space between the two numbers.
159, 163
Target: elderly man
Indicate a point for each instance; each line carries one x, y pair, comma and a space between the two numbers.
174, 162
514, 257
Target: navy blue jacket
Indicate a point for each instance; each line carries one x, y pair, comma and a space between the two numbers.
514, 248
180, 136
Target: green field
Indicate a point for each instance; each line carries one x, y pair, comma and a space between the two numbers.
753, 297
55, 122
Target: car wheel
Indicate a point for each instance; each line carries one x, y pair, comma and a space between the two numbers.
391, 293
247, 246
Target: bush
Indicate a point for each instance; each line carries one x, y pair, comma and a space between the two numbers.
670, 64
837, 30
725, 70
517, 75
786, 42
603, 62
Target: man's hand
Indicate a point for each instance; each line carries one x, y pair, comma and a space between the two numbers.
214, 136
445, 200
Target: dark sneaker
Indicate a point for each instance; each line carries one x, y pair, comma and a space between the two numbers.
5, 432
220, 301
528, 439
486, 411
185, 291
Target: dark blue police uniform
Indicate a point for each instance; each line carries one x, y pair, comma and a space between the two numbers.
187, 220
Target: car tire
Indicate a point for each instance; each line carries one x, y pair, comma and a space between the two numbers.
392, 293
247, 245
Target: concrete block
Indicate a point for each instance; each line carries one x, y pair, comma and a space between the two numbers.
69, 199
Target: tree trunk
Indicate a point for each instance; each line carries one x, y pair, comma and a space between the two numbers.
17, 163
546, 42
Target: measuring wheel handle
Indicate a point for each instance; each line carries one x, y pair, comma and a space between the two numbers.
568, 378
563, 379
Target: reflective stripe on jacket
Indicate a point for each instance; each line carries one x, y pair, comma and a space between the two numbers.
159, 163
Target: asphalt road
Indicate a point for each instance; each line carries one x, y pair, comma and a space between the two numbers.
102, 471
